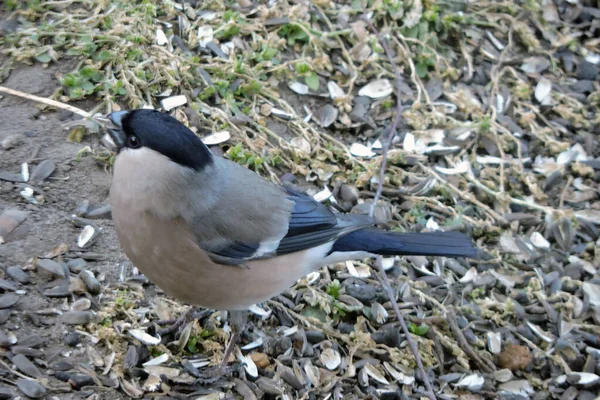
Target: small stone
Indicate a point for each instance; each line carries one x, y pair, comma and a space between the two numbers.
277, 346
315, 337
50, 267
8, 285
77, 317
260, 359
90, 281
6, 393
73, 339
388, 335
31, 388
364, 292
27, 351
4, 315
82, 304
32, 341
25, 366
587, 71
520, 387
58, 291
7, 339
77, 265
18, 275
349, 193
63, 366
65, 115
42, 171
80, 380
8, 300
503, 375
515, 357
13, 141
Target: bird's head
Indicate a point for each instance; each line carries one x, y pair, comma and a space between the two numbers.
151, 130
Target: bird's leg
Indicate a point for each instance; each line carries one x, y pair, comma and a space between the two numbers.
237, 320
192, 313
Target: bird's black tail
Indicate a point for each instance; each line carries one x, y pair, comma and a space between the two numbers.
386, 243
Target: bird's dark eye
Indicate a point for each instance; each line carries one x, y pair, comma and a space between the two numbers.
133, 142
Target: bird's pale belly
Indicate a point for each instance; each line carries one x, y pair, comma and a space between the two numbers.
168, 256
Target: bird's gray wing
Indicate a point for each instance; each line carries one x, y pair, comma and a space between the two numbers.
263, 220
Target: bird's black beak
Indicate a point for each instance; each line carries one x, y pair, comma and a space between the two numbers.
115, 128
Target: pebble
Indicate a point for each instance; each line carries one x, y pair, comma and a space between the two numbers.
80, 380
25, 366
81, 304
277, 346
364, 292
315, 337
42, 171
90, 281
18, 275
77, 317
4, 315
31, 388
6, 393
27, 351
8, 300
32, 341
349, 193
63, 366
13, 141
388, 335
77, 265
50, 267
73, 339
58, 291
7, 339
103, 212
7, 285
587, 71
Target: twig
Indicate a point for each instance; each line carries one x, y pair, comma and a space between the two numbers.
387, 286
386, 142
48, 102
389, 135
483, 363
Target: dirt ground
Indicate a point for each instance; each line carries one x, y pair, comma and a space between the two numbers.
49, 223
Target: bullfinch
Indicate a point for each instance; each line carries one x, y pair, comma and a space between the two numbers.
215, 234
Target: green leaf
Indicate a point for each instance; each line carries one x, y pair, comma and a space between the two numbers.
269, 53
314, 312
70, 80
87, 86
421, 69
334, 288
76, 93
302, 68
312, 81
419, 330
103, 55
44, 58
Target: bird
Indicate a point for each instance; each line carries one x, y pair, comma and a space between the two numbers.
214, 234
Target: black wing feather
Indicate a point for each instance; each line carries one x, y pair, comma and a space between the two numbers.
308, 215
311, 224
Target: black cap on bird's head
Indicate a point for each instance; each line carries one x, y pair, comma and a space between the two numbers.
160, 132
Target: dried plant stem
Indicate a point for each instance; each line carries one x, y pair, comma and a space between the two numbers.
387, 286
43, 100
386, 142
483, 363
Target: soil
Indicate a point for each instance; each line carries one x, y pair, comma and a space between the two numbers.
49, 223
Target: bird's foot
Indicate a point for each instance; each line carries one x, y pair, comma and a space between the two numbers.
177, 325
